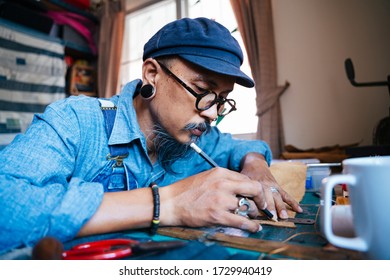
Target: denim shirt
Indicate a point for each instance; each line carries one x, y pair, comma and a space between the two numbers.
47, 173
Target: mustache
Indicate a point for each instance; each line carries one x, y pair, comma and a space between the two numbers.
204, 127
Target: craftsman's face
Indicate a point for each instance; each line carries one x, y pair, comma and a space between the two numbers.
174, 106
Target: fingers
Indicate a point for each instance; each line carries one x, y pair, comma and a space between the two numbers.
236, 205
277, 199
271, 203
239, 184
244, 223
241, 222
253, 210
230, 214
279, 206
267, 194
228, 174
253, 190
290, 201
210, 198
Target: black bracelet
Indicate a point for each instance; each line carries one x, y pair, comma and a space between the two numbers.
156, 209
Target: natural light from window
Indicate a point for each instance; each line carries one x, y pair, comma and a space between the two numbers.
142, 24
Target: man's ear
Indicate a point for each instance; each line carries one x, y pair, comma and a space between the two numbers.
149, 71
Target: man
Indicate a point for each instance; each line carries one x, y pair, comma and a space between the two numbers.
82, 166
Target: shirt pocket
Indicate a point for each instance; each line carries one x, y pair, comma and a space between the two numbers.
112, 177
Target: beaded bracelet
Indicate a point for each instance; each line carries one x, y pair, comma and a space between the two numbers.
156, 209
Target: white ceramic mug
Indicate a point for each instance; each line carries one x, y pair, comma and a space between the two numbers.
368, 180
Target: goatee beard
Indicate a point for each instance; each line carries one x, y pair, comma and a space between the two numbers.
168, 149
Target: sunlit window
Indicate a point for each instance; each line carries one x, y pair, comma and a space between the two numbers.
139, 27
143, 23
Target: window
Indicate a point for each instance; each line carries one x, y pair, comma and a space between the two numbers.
143, 23
139, 27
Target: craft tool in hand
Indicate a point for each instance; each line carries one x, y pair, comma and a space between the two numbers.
214, 164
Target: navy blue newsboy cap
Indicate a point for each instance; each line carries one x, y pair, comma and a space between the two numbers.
203, 42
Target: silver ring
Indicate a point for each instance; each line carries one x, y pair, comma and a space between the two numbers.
243, 202
274, 190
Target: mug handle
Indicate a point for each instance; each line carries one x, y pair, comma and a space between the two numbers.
353, 243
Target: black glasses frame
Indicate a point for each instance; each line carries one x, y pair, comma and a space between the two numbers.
220, 101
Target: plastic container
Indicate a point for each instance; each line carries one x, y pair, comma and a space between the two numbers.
314, 176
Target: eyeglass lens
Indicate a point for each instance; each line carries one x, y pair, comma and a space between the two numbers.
223, 106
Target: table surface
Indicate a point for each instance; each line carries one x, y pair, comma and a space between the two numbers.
305, 241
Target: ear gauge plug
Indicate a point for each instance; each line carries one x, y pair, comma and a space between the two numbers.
147, 91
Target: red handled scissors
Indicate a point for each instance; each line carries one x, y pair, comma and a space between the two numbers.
116, 248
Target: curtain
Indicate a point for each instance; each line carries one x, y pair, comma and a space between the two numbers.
112, 16
254, 18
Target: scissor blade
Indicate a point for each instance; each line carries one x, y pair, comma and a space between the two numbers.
156, 246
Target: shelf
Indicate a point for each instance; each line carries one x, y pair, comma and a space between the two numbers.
61, 5
70, 47
31, 20
31, 17
27, 30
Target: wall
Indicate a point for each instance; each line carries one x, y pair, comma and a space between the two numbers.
313, 38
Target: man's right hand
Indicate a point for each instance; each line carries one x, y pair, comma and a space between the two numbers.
210, 198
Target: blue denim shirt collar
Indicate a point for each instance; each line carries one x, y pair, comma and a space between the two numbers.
122, 131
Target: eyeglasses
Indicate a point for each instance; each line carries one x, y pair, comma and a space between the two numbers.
207, 99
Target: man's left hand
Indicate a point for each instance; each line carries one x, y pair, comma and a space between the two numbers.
256, 168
